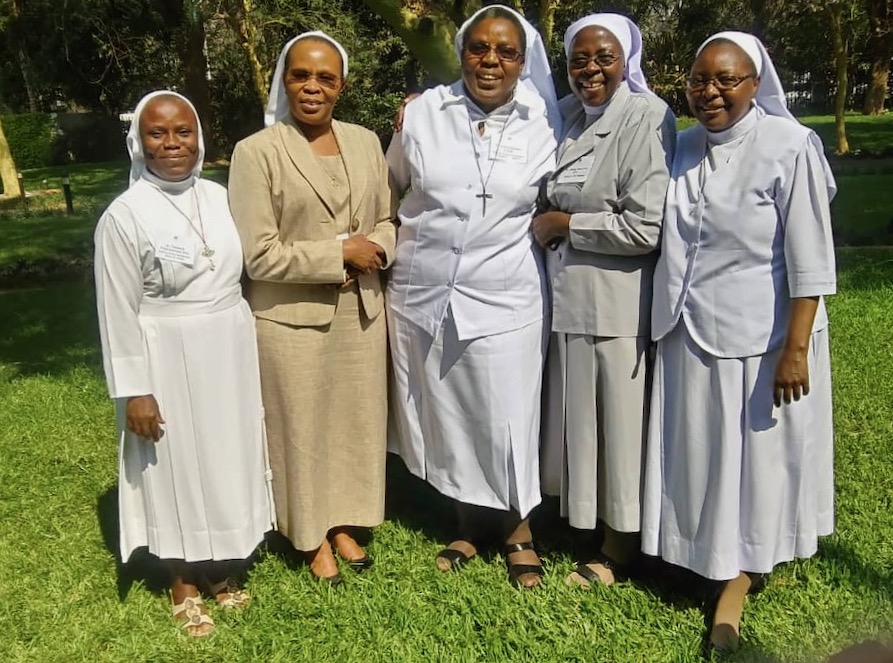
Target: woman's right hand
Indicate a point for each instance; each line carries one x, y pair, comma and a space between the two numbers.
398, 119
144, 417
362, 255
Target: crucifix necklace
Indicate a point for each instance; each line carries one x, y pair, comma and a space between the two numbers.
207, 251
483, 195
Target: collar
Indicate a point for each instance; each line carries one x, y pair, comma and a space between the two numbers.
737, 130
614, 112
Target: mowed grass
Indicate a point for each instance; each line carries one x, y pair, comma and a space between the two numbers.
65, 597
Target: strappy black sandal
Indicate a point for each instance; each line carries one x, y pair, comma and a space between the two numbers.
620, 571
456, 558
518, 570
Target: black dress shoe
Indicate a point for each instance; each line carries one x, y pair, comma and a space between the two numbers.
360, 565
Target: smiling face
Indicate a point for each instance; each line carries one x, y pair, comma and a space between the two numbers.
313, 81
725, 63
492, 59
595, 65
169, 134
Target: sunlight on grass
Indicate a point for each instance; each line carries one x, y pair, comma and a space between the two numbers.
63, 597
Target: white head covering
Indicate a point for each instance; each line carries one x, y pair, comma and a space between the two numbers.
277, 105
629, 36
770, 95
536, 73
135, 144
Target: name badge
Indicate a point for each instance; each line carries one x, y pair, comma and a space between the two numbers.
511, 149
176, 250
577, 172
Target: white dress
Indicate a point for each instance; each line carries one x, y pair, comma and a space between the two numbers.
173, 327
467, 297
733, 483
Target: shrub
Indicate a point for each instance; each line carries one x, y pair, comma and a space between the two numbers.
31, 137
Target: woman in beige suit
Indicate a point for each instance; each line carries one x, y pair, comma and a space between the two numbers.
607, 199
311, 201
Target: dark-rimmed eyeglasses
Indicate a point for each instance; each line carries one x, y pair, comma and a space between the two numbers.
480, 49
603, 60
721, 83
329, 81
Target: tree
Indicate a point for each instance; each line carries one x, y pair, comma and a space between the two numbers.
880, 48
8, 172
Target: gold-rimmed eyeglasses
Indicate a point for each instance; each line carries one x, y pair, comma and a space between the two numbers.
722, 83
480, 50
603, 60
329, 81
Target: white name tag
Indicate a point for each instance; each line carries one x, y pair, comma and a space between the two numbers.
577, 172
511, 149
176, 250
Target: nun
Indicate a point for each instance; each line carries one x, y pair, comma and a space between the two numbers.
311, 201
739, 466
602, 215
180, 359
467, 298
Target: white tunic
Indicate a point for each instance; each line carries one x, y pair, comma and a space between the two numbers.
733, 483
175, 328
467, 296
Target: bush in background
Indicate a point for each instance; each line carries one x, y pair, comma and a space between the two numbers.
37, 140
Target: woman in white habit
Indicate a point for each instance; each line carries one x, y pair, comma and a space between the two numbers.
180, 359
603, 217
739, 463
467, 301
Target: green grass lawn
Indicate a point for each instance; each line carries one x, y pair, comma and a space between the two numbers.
65, 597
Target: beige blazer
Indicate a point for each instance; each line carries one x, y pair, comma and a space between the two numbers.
279, 197
601, 275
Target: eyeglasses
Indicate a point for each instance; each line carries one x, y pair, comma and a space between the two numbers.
721, 83
603, 60
481, 49
329, 81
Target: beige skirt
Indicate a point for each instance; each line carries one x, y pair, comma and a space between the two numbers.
325, 396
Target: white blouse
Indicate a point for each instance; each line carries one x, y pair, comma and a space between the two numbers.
486, 267
747, 228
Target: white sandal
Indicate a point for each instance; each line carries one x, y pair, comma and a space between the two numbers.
233, 595
192, 613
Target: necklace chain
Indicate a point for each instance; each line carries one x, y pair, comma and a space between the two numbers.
477, 162
207, 251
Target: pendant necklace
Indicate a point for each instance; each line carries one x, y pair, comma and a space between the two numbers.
483, 195
207, 251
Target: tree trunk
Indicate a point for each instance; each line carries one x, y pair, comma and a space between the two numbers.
8, 174
880, 48
195, 77
239, 18
841, 51
429, 36
547, 21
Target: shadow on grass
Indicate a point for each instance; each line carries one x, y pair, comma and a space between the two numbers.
864, 269
48, 330
141, 567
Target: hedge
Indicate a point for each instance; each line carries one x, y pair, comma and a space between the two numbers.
51, 139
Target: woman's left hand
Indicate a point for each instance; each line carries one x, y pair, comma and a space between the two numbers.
549, 226
791, 376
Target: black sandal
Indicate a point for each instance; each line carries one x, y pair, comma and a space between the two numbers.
518, 570
620, 571
456, 558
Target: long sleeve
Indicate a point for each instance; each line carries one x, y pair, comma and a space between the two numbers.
633, 226
267, 257
808, 244
385, 233
119, 286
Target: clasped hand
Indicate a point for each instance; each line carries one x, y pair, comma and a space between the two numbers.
549, 226
362, 256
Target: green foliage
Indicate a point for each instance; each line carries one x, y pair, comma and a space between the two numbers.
65, 597
32, 138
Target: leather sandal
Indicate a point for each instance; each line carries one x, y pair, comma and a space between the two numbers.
192, 613
590, 577
456, 558
518, 570
233, 595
